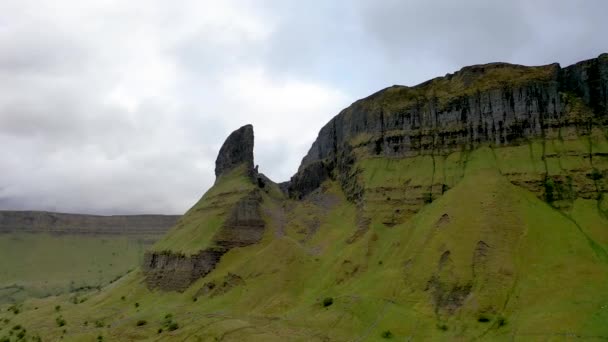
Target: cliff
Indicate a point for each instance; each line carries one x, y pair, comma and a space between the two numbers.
497, 104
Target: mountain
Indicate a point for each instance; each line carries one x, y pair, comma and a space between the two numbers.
472, 206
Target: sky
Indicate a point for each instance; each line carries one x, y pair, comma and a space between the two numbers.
120, 107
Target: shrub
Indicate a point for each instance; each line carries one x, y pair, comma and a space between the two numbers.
160, 330
99, 323
60, 321
595, 175
141, 322
17, 327
57, 308
387, 334
442, 327
21, 334
501, 321
483, 319
173, 326
14, 309
136, 305
328, 301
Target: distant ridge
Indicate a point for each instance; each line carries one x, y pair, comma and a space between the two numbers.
63, 223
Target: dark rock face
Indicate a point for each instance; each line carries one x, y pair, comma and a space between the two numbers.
236, 150
171, 271
309, 178
499, 104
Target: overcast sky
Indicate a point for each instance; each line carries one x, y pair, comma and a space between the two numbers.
116, 107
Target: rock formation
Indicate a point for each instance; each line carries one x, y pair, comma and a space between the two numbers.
499, 104
492, 105
242, 225
236, 150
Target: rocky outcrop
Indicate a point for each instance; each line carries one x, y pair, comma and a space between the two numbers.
499, 104
60, 223
174, 271
167, 270
239, 209
236, 150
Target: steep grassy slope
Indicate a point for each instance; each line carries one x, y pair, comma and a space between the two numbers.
487, 259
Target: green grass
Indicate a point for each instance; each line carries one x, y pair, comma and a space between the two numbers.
195, 230
39, 265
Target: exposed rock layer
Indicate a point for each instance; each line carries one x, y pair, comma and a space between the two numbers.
499, 104
60, 223
244, 226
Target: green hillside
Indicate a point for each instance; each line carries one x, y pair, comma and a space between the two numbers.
485, 259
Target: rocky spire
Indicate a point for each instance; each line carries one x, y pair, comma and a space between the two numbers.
236, 150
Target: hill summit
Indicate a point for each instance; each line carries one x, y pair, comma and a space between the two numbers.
471, 206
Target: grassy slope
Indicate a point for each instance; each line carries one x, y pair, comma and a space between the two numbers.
38, 265
196, 228
541, 275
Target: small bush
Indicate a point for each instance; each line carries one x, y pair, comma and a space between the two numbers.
328, 301
99, 323
173, 326
14, 309
60, 321
17, 327
136, 305
501, 321
122, 297
141, 322
58, 308
21, 334
483, 319
99, 338
595, 175
160, 330
387, 334
442, 327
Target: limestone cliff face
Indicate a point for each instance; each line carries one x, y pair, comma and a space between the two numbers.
499, 104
